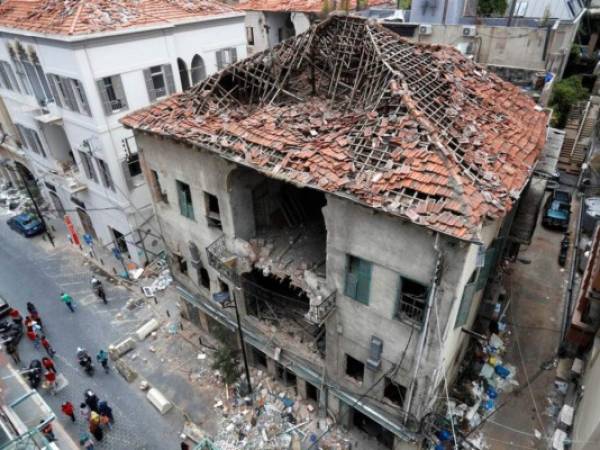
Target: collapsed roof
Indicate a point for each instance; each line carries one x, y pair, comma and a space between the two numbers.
312, 6
73, 17
351, 108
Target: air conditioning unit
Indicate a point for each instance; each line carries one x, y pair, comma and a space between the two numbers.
469, 30
425, 29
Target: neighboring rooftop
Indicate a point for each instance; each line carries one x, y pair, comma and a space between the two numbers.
76, 17
313, 6
351, 108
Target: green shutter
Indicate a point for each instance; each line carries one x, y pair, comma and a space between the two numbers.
465, 304
489, 263
358, 279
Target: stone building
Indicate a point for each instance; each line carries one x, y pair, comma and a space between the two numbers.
70, 70
351, 191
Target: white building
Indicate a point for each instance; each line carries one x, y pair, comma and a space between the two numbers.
268, 22
70, 70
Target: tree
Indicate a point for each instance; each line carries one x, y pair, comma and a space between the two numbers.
565, 94
491, 7
226, 362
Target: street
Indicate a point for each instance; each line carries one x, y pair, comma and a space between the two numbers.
30, 273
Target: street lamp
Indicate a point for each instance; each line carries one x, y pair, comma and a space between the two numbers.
222, 301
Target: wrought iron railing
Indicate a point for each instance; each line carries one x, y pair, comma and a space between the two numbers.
220, 259
319, 313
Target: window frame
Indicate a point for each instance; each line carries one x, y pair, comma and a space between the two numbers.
363, 273
184, 196
250, 35
402, 315
88, 166
105, 175
117, 102
213, 217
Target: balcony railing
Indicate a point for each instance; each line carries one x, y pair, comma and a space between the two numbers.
318, 314
222, 260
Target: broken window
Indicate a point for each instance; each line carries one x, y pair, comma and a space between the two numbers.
358, 279
198, 70
280, 36
213, 213
184, 195
312, 392
412, 300
181, 264
31, 140
159, 194
88, 166
112, 94
80, 97
466, 301
260, 359
354, 368
105, 175
226, 57
133, 163
22, 77
394, 392
204, 278
250, 35
7, 77
159, 81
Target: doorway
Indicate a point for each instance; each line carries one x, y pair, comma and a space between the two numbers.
119, 241
86, 222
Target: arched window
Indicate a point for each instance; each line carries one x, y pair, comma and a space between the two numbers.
198, 70
183, 74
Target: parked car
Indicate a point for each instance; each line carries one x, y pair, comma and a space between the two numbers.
27, 224
4, 308
557, 211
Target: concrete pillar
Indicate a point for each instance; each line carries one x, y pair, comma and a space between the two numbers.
345, 415
301, 387
272, 367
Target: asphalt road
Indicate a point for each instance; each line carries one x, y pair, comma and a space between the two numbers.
29, 272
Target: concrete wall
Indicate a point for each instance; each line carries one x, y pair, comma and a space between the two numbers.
586, 427
539, 48
396, 248
266, 27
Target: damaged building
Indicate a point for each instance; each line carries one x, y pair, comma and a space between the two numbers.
348, 189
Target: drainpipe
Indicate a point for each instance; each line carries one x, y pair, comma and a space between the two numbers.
423, 336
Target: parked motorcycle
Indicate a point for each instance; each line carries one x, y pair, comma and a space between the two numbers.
34, 373
85, 361
564, 250
11, 332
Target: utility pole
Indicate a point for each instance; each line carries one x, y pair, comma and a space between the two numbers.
241, 336
35, 205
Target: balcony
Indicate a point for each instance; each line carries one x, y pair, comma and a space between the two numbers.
222, 260
74, 181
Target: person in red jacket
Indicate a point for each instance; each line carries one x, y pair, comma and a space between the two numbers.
51, 380
48, 364
67, 408
48, 347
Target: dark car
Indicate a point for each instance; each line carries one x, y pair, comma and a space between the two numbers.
4, 308
557, 211
27, 224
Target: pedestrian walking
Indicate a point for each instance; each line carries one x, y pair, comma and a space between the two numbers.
91, 400
13, 350
67, 408
102, 358
51, 382
48, 364
86, 442
67, 300
106, 411
36, 327
48, 432
47, 347
85, 411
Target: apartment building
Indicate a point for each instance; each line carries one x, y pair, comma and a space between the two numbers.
351, 194
70, 70
268, 22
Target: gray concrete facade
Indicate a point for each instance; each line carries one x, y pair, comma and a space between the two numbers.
395, 248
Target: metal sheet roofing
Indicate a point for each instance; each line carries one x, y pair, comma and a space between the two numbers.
351, 108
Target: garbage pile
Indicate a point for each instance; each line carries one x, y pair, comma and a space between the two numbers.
485, 377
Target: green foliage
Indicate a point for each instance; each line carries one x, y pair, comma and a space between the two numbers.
225, 362
565, 94
491, 7
403, 4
